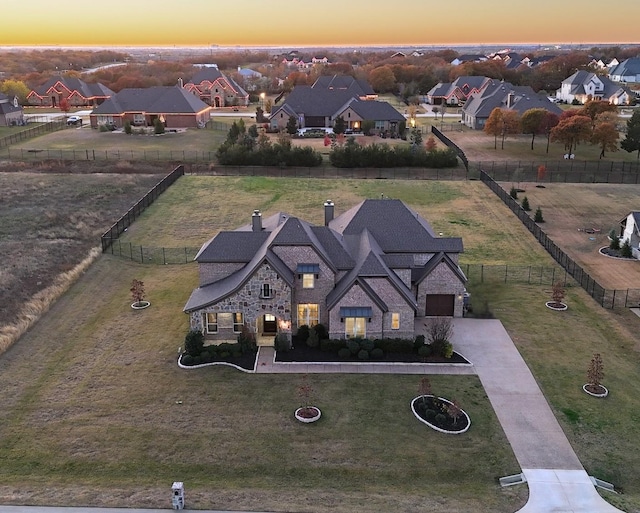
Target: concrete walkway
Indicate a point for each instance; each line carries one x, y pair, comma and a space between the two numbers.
557, 481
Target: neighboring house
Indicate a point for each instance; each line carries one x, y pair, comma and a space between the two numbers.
319, 105
584, 86
77, 92
320, 60
10, 111
369, 272
173, 106
503, 95
627, 71
468, 58
400, 55
249, 73
216, 89
630, 231
456, 92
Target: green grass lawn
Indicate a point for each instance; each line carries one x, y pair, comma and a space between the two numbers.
102, 406
456, 209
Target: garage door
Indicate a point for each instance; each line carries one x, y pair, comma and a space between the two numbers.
440, 304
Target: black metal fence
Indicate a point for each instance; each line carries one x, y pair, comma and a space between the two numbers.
113, 154
30, 133
452, 145
152, 255
568, 171
134, 212
606, 298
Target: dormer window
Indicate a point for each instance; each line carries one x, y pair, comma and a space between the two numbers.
266, 291
308, 274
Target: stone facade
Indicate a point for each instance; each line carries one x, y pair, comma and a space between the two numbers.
355, 297
248, 300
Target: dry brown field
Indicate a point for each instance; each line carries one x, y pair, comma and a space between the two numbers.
570, 209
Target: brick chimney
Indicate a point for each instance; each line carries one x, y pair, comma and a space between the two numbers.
256, 221
328, 212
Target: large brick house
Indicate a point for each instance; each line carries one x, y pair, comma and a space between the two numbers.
77, 92
217, 89
367, 273
172, 105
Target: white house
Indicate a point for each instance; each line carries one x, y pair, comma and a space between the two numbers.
627, 71
630, 231
584, 86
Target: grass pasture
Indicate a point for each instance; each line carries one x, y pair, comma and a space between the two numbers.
569, 209
101, 415
96, 409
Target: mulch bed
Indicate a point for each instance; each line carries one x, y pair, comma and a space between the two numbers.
616, 253
447, 423
302, 353
246, 361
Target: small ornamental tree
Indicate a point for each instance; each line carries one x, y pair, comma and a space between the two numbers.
513, 192
542, 171
625, 250
557, 293
65, 106
439, 331
431, 144
615, 241
595, 371
538, 216
339, 126
424, 389
137, 292
454, 411
127, 127
525, 204
158, 127
292, 126
305, 393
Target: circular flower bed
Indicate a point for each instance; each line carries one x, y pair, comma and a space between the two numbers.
440, 414
308, 414
140, 305
595, 390
556, 305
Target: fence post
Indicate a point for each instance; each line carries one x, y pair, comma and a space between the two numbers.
164, 260
141, 255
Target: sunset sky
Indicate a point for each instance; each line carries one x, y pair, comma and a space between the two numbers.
296, 23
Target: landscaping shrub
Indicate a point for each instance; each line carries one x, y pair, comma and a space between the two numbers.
363, 354
194, 342
625, 250
303, 333
158, 127
206, 357
236, 350
395, 345
425, 350
322, 332
344, 352
313, 340
354, 345
440, 419
282, 343
186, 359
197, 360
430, 415
538, 216
419, 342
332, 345
127, 127
366, 344
377, 353
525, 204
247, 341
513, 192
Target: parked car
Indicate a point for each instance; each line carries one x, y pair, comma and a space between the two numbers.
74, 120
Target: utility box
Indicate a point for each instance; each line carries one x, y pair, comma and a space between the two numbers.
177, 495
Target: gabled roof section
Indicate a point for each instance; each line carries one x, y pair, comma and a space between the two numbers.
344, 82
374, 110
153, 100
333, 244
209, 74
295, 232
317, 102
496, 95
228, 247
369, 264
628, 67
420, 273
395, 227
636, 220
88, 90
214, 292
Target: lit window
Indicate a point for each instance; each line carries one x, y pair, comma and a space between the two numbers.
266, 290
237, 322
395, 321
355, 327
211, 322
308, 280
307, 314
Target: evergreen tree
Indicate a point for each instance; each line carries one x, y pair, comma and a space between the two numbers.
632, 140
538, 216
292, 126
525, 204
339, 126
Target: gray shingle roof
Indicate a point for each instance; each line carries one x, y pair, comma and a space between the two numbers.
210, 74
374, 110
88, 90
344, 82
395, 227
233, 246
152, 100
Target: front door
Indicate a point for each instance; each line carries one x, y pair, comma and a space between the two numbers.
269, 324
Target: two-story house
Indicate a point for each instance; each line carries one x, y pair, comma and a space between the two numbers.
583, 86
369, 272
